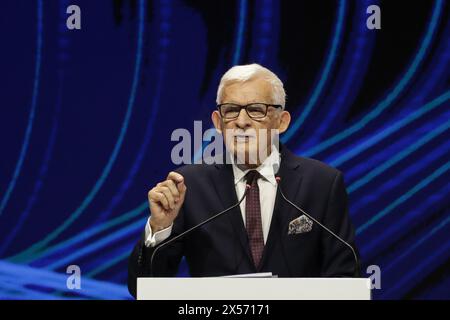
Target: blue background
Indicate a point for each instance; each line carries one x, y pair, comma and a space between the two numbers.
86, 118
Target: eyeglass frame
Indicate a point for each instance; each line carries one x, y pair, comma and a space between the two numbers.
267, 105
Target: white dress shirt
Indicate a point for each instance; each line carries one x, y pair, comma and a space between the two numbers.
267, 193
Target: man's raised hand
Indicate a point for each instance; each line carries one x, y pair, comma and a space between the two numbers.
165, 201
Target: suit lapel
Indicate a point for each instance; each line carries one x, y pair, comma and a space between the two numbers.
282, 212
226, 191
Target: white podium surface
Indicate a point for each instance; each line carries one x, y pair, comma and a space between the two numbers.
253, 289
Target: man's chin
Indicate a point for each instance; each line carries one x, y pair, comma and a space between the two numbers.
247, 156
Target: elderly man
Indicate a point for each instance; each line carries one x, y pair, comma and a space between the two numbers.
264, 233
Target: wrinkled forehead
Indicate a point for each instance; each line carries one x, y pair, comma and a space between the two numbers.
245, 92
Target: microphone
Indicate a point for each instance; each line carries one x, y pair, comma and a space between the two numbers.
181, 235
356, 271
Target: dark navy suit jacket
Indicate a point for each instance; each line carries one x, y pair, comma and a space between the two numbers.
221, 247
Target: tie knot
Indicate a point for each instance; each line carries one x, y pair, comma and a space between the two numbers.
252, 177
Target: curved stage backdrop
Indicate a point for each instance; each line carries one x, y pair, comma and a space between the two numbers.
87, 114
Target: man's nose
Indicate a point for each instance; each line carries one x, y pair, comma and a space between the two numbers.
243, 120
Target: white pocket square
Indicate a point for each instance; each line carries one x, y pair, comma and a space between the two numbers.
301, 224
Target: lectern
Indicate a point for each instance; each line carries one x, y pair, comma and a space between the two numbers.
253, 289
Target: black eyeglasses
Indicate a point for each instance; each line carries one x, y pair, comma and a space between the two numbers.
254, 110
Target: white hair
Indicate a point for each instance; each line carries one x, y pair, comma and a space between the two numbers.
249, 72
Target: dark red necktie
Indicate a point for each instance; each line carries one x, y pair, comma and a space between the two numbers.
253, 222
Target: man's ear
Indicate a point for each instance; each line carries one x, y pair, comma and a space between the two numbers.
217, 121
285, 120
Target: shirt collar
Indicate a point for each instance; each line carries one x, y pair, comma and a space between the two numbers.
267, 169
